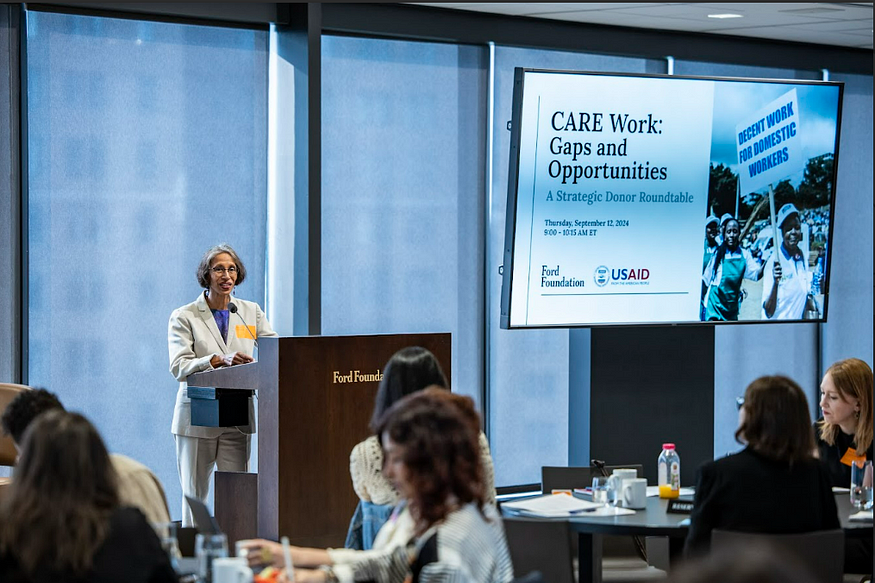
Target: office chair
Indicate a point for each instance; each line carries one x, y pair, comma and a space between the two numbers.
621, 560
822, 552
533, 577
567, 478
540, 546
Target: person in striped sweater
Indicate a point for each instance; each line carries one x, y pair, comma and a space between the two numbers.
432, 457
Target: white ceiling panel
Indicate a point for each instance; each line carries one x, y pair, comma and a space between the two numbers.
838, 24
826, 38
631, 20
529, 8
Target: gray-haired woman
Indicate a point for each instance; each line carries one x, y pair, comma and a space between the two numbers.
212, 332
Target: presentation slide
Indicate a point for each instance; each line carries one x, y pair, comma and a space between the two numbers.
653, 199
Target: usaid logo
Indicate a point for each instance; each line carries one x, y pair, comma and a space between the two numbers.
632, 276
601, 276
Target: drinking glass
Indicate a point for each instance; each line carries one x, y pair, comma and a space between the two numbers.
166, 532
600, 490
861, 484
615, 485
206, 548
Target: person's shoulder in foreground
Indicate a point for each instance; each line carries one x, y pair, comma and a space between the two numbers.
467, 546
132, 549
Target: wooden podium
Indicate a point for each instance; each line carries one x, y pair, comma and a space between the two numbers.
315, 397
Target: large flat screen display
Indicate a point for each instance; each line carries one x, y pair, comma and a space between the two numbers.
658, 199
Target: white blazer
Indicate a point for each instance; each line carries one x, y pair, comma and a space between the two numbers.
193, 338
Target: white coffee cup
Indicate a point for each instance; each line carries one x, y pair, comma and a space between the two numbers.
231, 570
618, 477
635, 493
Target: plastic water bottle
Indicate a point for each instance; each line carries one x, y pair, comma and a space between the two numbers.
669, 472
817, 276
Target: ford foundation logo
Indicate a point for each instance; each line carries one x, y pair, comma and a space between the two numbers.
601, 276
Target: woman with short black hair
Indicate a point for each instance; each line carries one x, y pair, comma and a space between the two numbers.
775, 484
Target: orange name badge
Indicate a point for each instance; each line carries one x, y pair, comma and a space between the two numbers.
849, 458
242, 333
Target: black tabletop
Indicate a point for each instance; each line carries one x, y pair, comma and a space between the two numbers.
655, 521
652, 521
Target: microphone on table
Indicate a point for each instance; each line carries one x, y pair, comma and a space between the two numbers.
232, 307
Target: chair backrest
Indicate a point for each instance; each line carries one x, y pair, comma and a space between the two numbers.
821, 552
566, 478
540, 545
533, 577
8, 454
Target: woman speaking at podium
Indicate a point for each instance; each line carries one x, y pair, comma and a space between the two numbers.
212, 332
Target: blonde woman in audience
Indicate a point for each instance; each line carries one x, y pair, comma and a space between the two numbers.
61, 519
844, 433
844, 436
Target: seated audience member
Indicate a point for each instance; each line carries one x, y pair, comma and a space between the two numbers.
844, 434
774, 485
409, 370
137, 485
432, 457
62, 521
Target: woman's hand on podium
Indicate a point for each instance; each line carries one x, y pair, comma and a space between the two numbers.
220, 360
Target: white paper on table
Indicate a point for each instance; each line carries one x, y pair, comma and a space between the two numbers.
610, 511
861, 516
654, 491
552, 506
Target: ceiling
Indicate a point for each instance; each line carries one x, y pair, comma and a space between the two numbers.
845, 24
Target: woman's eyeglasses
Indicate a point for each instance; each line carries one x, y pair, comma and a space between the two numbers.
220, 270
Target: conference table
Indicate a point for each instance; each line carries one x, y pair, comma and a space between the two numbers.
655, 521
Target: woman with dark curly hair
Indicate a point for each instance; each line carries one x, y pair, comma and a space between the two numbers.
431, 452
61, 519
409, 370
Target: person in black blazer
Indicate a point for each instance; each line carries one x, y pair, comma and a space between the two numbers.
775, 484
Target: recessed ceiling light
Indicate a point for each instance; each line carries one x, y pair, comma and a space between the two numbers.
725, 16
